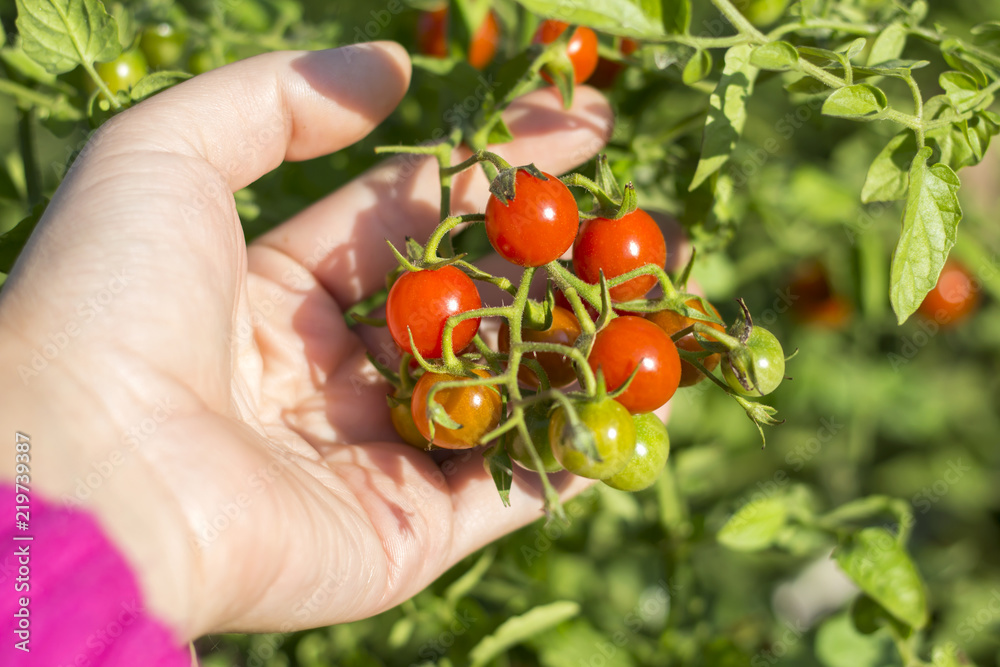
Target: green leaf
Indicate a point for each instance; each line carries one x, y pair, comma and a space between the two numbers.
499, 133
677, 16
755, 525
960, 88
775, 57
854, 48
727, 113
889, 177
880, 566
464, 584
516, 630
930, 226
889, 44
869, 617
13, 241
697, 68
153, 83
838, 644
61, 34
498, 464
17, 61
638, 18
858, 101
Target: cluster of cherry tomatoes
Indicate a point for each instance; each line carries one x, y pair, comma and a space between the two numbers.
581, 49
599, 329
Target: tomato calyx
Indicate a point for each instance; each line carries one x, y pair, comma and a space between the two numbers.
504, 185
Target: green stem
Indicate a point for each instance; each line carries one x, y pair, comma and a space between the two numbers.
740, 22
111, 97
445, 226
918, 111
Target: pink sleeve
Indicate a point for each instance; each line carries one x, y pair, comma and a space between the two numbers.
68, 597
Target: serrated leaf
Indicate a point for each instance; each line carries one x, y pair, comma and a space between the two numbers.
889, 44
889, 175
629, 18
727, 113
516, 630
960, 89
61, 34
775, 57
677, 16
697, 68
498, 464
13, 240
755, 526
153, 83
858, 101
880, 566
930, 227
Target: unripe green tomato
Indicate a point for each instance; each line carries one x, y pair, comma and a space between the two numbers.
536, 418
401, 416
763, 12
202, 61
124, 71
652, 447
762, 364
613, 432
162, 45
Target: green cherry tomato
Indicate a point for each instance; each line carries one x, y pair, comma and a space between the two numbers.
761, 365
124, 71
652, 447
536, 418
401, 415
162, 45
613, 432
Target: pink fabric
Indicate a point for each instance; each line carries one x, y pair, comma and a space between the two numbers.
84, 605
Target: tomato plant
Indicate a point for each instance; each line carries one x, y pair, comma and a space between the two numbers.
609, 426
537, 225
476, 409
581, 50
617, 247
652, 447
420, 303
401, 415
773, 132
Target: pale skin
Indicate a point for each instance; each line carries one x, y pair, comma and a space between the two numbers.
218, 383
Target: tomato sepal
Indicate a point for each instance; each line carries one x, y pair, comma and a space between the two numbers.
498, 464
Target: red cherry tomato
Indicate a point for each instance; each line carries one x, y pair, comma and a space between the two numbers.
477, 409
607, 70
483, 46
582, 47
954, 298
423, 301
629, 342
617, 247
432, 37
559, 369
671, 323
814, 301
538, 225
432, 28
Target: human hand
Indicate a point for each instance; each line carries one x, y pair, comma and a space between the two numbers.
255, 480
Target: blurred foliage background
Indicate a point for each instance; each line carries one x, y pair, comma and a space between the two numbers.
874, 409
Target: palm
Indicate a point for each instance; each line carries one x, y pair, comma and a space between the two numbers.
276, 461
